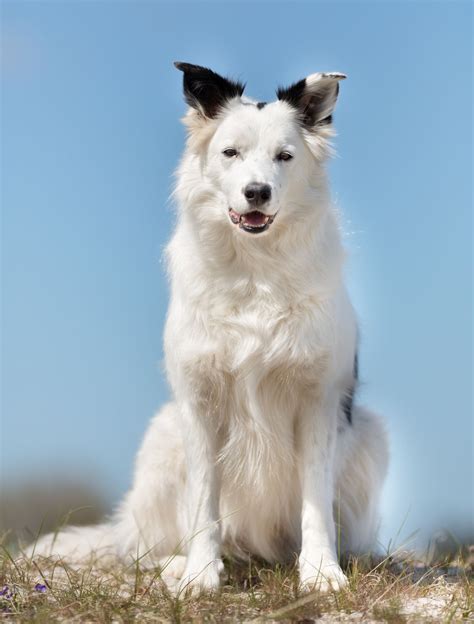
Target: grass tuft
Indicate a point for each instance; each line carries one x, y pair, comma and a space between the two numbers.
47, 590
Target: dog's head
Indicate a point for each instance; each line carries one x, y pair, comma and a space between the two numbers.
262, 161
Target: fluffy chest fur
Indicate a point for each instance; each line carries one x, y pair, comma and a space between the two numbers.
247, 327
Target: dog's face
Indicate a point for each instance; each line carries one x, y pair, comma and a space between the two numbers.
252, 159
259, 157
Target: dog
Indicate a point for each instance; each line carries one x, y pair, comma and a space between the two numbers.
263, 450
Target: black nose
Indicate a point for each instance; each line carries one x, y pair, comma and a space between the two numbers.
257, 193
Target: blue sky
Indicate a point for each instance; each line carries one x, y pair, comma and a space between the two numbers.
90, 138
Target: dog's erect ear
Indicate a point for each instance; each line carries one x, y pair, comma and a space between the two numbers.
206, 91
314, 97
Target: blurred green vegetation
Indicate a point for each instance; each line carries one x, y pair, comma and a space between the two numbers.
42, 504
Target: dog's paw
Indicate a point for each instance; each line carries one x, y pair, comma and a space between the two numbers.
324, 577
201, 578
173, 566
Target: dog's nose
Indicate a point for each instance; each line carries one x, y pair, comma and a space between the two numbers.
257, 194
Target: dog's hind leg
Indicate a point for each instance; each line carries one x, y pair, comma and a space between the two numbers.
361, 466
149, 524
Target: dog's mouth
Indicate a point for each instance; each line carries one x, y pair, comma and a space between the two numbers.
253, 222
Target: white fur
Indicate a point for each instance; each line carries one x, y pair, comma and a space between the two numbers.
254, 455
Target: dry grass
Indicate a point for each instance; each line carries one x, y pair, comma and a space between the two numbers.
41, 590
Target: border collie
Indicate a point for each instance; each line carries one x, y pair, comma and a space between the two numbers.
263, 450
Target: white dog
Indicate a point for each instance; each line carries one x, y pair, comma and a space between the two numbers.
262, 450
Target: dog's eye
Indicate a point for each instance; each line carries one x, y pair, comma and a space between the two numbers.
284, 156
230, 152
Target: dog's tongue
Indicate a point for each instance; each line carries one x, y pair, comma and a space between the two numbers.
255, 218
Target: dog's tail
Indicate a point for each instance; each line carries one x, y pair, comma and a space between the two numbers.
77, 545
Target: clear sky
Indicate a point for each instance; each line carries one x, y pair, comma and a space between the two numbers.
90, 138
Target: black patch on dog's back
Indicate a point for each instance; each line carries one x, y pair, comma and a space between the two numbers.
347, 401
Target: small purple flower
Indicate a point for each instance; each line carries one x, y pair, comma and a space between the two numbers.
7, 592
39, 587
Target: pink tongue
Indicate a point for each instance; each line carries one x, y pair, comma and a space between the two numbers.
255, 218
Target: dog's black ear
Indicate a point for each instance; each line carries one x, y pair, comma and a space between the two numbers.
205, 90
314, 98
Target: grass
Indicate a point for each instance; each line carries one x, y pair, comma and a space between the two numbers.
43, 590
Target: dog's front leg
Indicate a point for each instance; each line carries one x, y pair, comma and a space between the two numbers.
204, 565
318, 564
